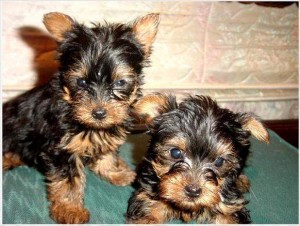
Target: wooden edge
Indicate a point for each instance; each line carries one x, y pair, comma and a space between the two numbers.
273, 4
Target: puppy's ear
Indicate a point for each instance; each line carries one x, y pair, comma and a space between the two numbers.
57, 24
255, 127
153, 105
145, 30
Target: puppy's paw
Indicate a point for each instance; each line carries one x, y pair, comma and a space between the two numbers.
69, 214
123, 177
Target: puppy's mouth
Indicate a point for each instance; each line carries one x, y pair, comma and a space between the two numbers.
105, 117
105, 124
187, 191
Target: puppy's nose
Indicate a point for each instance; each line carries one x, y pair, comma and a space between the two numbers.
99, 113
192, 190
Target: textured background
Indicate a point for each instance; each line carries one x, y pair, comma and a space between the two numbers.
245, 56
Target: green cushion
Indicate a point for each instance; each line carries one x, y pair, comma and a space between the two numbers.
272, 169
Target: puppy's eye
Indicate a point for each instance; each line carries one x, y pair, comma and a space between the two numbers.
120, 83
175, 153
81, 83
219, 162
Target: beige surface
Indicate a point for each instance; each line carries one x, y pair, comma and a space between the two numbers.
245, 56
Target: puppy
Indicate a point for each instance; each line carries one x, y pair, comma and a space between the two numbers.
78, 118
193, 167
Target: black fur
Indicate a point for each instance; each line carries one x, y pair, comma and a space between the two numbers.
99, 66
34, 122
204, 126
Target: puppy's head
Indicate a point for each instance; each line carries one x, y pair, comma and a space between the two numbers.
101, 66
198, 149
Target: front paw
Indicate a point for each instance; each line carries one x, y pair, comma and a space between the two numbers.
144, 220
112, 168
122, 178
69, 214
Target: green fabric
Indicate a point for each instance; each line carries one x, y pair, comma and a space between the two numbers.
273, 172
272, 169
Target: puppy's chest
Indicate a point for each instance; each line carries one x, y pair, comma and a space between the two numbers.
91, 143
203, 215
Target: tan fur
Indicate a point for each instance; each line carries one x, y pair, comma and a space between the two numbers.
79, 70
243, 183
185, 216
257, 129
69, 213
11, 160
123, 72
224, 148
178, 142
67, 197
57, 24
161, 212
172, 188
62, 189
160, 169
157, 212
145, 30
111, 167
188, 216
93, 142
66, 95
117, 112
150, 106
229, 209
134, 95
225, 219
206, 216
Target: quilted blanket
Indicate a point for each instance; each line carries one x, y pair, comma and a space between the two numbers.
243, 55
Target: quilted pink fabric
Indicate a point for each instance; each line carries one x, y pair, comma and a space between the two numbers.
243, 55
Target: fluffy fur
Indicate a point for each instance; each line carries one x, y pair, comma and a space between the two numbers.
79, 117
193, 167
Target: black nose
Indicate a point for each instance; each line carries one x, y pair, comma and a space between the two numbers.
192, 190
99, 113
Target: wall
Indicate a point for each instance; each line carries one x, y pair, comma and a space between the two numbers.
243, 55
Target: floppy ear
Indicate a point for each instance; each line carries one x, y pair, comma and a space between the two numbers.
150, 106
57, 24
145, 30
255, 127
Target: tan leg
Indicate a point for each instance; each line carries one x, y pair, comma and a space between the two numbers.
225, 219
144, 210
66, 194
233, 214
11, 160
114, 169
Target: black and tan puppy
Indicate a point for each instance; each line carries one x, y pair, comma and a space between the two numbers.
193, 167
78, 118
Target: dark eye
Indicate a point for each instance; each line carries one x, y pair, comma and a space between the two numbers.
120, 82
219, 162
81, 83
175, 153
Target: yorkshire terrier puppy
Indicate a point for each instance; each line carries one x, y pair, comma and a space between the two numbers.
193, 168
78, 118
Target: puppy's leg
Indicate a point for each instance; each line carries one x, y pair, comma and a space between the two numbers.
114, 169
240, 217
144, 210
11, 160
66, 191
